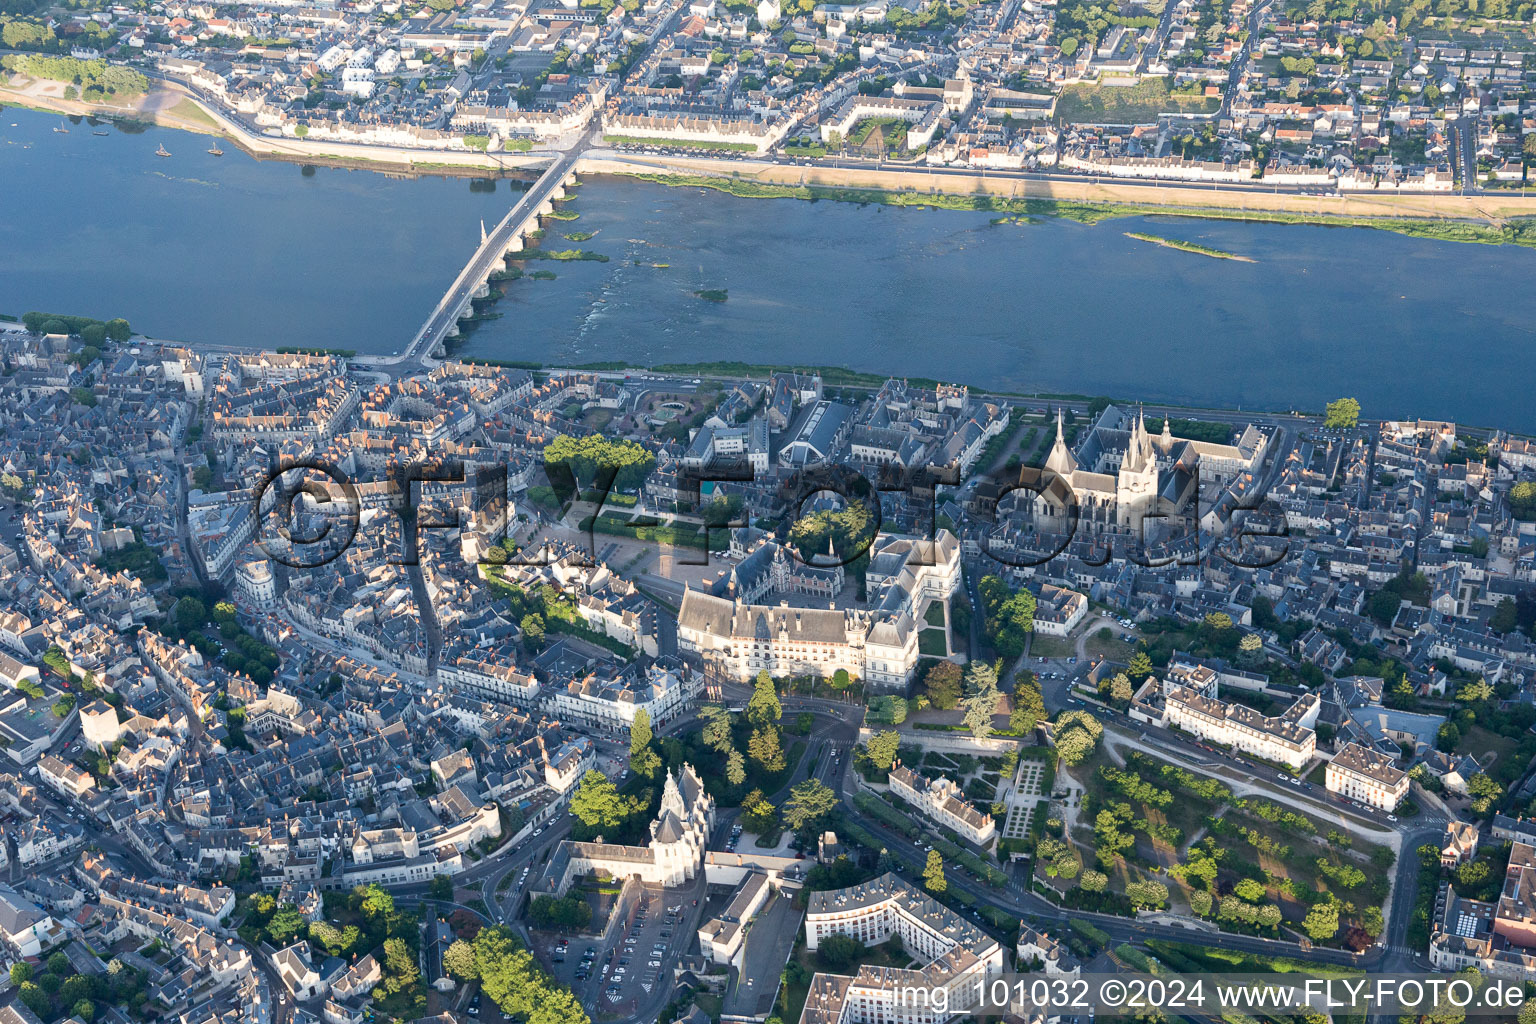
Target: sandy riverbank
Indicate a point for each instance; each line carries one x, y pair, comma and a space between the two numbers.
1488, 209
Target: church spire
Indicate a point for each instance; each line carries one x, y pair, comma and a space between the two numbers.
1061, 460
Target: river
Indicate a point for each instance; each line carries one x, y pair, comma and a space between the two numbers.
232, 250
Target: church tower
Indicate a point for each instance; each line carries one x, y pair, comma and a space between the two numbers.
672, 799
1136, 485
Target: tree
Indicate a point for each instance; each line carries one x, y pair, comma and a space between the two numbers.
1140, 667
716, 732
1249, 889
1476, 691
837, 953
1200, 902
189, 613
1342, 414
566, 913
441, 888
1147, 894
883, 747
640, 732
21, 973
1522, 500
336, 941
85, 1010
459, 960
1116, 688
757, 814
285, 924
809, 804
933, 873
735, 768
841, 680
1484, 791
400, 971
596, 801
763, 708
943, 685
532, 626
646, 763
1505, 617
35, 999
118, 329
1074, 746
886, 709
765, 749
1028, 705
981, 698
376, 902
594, 457
1322, 921
1093, 881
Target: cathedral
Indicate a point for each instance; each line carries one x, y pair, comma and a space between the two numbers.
1122, 474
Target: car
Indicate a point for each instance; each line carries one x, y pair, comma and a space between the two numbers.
620, 970
623, 961
654, 963
539, 831
591, 951
1391, 817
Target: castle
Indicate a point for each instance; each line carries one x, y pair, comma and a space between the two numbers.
878, 643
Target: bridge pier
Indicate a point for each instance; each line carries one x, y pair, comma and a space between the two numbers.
484, 290
516, 245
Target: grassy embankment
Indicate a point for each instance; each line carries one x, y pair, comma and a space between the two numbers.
728, 147
1516, 231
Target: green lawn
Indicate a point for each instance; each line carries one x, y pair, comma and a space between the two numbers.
1132, 104
934, 616
1111, 648
1480, 742
931, 643
1050, 647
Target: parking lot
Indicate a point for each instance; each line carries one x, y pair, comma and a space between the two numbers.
658, 927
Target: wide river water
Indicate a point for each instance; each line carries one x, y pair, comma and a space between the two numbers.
231, 250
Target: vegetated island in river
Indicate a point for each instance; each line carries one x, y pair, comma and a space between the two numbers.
1194, 247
